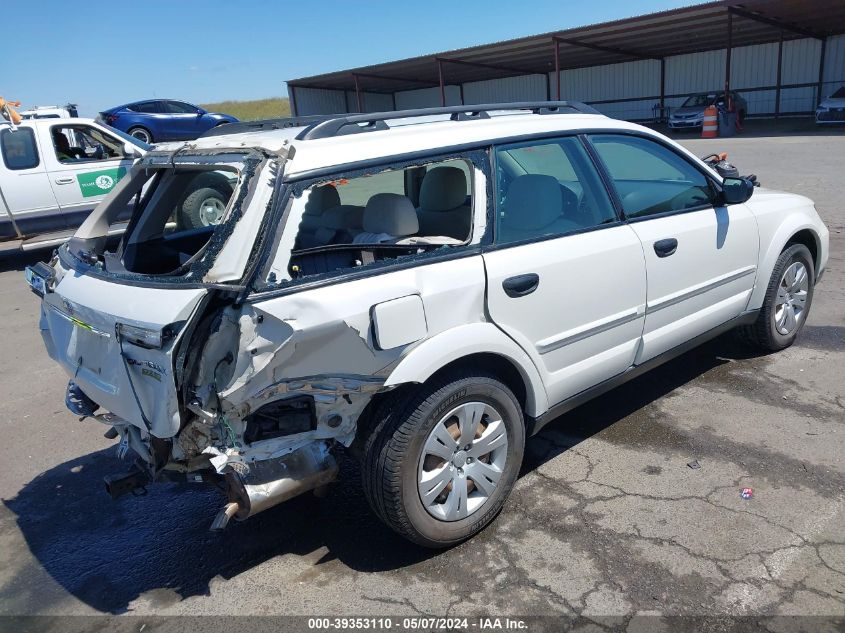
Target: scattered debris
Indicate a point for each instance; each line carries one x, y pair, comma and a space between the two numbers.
694, 464
746, 493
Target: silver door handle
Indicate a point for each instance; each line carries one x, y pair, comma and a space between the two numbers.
64, 181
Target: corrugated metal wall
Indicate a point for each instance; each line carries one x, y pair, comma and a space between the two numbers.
370, 102
525, 88
427, 98
319, 101
617, 87
834, 59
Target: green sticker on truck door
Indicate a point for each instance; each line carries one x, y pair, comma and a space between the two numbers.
98, 183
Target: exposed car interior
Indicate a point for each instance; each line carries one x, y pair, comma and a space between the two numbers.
162, 239
76, 143
350, 222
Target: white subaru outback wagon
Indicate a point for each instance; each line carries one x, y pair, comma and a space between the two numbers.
426, 288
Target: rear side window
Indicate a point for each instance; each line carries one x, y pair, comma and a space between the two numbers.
148, 107
18, 148
547, 188
650, 178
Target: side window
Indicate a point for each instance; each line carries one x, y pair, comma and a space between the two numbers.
357, 191
81, 143
177, 107
342, 224
147, 107
547, 188
18, 148
651, 178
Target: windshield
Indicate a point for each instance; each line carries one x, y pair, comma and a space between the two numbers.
839, 94
698, 101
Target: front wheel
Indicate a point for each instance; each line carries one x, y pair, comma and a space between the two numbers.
441, 462
787, 302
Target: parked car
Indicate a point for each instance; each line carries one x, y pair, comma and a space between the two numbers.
690, 114
55, 171
832, 109
427, 292
160, 120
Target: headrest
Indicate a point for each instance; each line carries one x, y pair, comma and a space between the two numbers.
390, 213
321, 198
343, 217
533, 202
443, 189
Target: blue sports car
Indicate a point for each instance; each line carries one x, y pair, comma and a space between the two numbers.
159, 120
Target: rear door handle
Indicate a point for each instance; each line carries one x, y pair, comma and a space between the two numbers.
521, 285
64, 181
666, 247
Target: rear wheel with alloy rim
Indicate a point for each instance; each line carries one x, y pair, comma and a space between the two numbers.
441, 461
142, 134
787, 302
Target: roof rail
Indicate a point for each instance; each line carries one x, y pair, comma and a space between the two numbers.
265, 125
355, 123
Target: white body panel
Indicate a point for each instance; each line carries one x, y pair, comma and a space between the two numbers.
399, 322
780, 216
27, 192
63, 176
605, 301
94, 358
51, 188
714, 265
583, 323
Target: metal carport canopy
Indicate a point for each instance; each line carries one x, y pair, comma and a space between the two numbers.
702, 27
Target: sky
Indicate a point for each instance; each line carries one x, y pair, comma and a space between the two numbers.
102, 54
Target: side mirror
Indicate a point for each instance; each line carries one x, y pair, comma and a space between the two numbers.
736, 190
200, 112
130, 151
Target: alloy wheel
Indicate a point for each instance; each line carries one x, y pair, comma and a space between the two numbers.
791, 298
462, 461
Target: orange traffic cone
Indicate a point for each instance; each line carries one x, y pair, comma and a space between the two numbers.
710, 127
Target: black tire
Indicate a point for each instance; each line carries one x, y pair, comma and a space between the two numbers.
392, 453
763, 333
142, 134
191, 215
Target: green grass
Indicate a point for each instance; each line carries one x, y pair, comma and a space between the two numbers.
272, 108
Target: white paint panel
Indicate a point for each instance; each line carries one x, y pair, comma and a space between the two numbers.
610, 258
319, 101
399, 322
509, 89
427, 98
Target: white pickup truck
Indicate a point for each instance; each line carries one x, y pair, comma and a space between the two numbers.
53, 172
